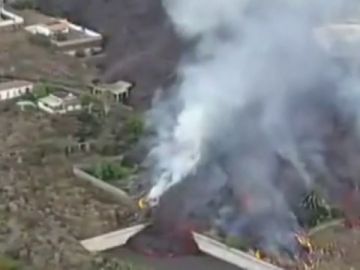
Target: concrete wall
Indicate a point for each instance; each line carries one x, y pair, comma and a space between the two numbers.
15, 92
76, 44
117, 193
91, 40
231, 255
13, 21
112, 240
88, 32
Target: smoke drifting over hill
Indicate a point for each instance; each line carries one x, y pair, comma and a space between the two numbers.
255, 120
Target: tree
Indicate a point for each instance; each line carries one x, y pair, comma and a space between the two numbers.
110, 172
24, 4
89, 102
319, 210
7, 263
107, 99
89, 126
41, 90
39, 39
134, 127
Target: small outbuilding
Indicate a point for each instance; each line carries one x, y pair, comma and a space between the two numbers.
120, 91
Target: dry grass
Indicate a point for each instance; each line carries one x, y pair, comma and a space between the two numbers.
342, 247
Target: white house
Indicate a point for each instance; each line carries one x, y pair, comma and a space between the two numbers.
14, 89
60, 102
119, 90
68, 37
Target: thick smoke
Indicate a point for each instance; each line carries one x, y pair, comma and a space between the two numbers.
258, 103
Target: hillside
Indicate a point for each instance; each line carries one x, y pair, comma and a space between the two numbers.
141, 44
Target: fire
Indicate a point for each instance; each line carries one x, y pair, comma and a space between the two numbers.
304, 242
142, 203
259, 255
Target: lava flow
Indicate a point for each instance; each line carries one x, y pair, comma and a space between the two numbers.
161, 243
163, 239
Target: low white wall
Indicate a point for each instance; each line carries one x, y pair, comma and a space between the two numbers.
87, 31
45, 108
231, 255
13, 19
117, 193
112, 239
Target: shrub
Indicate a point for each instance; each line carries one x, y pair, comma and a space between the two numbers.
80, 53
41, 90
7, 263
24, 4
111, 172
134, 127
39, 39
237, 243
318, 209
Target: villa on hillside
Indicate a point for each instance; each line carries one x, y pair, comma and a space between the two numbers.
120, 91
14, 89
60, 102
67, 37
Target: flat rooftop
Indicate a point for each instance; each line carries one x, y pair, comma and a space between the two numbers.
116, 88
14, 84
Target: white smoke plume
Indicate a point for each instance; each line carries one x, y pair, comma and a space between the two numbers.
256, 86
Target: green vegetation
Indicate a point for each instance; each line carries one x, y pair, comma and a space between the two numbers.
110, 172
89, 126
24, 4
39, 39
42, 90
236, 242
7, 263
134, 128
319, 211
